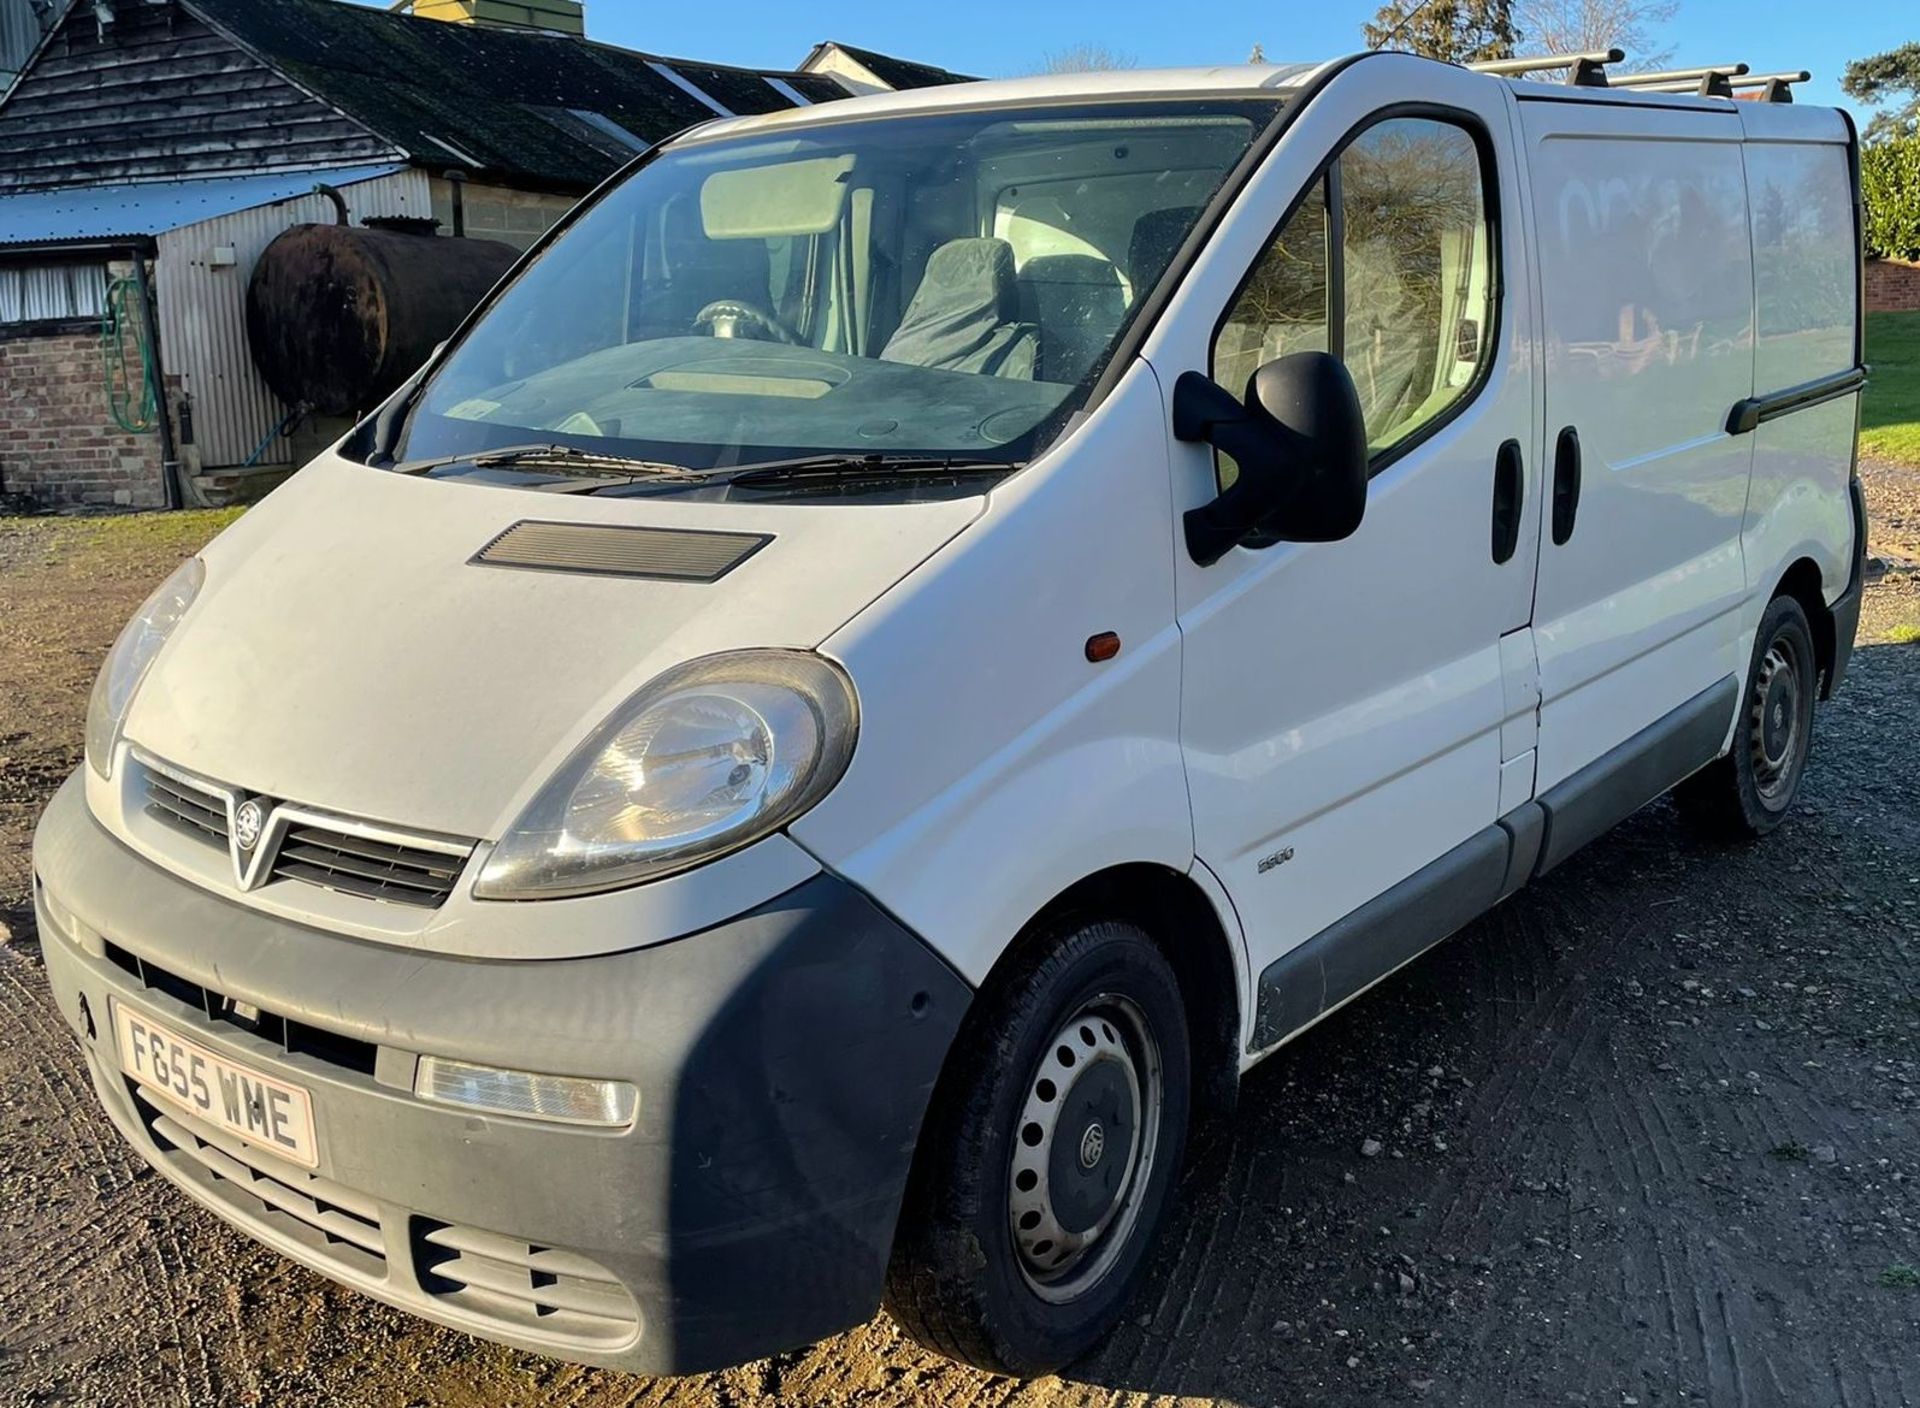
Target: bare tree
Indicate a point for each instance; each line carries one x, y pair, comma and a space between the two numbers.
1087, 58
1580, 26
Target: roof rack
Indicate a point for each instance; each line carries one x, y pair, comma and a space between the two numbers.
1584, 70
1711, 81
1770, 87
1589, 70
1689, 76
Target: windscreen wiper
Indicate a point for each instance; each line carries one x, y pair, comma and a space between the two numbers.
568, 459
846, 469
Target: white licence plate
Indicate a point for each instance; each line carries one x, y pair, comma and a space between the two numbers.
259, 1109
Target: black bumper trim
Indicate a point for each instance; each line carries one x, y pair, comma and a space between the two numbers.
784, 1058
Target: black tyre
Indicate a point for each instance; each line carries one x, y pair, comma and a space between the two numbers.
1747, 793
1056, 1133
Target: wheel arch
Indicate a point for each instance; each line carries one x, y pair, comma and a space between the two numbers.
1181, 919
1802, 582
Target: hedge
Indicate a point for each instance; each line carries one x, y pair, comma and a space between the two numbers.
1890, 182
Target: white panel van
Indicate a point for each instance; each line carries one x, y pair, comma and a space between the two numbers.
913, 641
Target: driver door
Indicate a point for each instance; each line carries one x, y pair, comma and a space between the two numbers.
1360, 712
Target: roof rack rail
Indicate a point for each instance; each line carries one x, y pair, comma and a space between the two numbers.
1709, 81
1584, 70
1772, 87
1588, 70
1689, 76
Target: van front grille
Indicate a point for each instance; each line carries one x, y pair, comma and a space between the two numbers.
375, 869
368, 859
185, 806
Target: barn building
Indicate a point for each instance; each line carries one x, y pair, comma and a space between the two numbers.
22, 23
865, 71
151, 149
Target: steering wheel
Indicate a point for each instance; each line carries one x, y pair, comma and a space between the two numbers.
735, 317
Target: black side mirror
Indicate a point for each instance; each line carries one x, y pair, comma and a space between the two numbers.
1300, 442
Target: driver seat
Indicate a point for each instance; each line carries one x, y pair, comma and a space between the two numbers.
965, 316
686, 271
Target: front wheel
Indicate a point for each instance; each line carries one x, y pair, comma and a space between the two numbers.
1055, 1136
1747, 793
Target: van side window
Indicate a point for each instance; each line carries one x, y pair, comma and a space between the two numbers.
1283, 308
1803, 262
1387, 264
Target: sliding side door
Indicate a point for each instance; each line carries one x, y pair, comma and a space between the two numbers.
1646, 291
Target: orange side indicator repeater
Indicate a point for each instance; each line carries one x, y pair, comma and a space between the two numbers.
1104, 646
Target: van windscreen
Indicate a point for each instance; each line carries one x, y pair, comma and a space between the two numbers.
947, 284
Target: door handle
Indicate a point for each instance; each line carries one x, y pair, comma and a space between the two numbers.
1566, 484
1507, 489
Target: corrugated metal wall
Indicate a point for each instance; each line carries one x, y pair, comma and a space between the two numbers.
21, 24
203, 312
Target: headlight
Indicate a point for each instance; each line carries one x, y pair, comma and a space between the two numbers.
712, 755
127, 663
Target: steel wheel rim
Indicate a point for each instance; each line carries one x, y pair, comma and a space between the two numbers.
1776, 721
1062, 1255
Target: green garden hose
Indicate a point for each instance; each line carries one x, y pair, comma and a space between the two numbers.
130, 396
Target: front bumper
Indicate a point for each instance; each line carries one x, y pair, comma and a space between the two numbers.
784, 1060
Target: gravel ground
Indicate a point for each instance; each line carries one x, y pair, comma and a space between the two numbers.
1648, 1134
1892, 610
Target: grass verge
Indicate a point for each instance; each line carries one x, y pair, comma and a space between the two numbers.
1890, 414
108, 541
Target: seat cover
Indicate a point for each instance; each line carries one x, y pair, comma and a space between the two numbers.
965, 316
1156, 237
1077, 302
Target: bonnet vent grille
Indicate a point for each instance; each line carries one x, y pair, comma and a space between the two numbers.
676, 554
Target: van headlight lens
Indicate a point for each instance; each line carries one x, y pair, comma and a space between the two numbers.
711, 756
132, 654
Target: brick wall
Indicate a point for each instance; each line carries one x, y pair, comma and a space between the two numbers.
58, 443
1893, 286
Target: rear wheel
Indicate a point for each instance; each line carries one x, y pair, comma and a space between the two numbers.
1747, 793
1055, 1136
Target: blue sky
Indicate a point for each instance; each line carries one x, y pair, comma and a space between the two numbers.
994, 38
